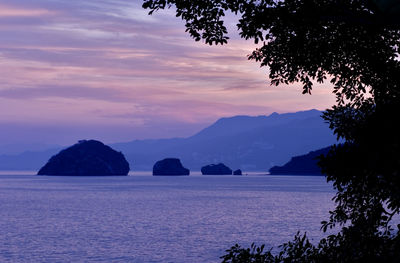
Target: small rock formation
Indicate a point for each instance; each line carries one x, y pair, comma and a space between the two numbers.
237, 172
216, 169
87, 157
170, 166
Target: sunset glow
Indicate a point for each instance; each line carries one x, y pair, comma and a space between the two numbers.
109, 64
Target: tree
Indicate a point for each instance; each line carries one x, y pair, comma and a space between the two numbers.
353, 44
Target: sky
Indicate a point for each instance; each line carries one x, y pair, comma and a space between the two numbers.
104, 69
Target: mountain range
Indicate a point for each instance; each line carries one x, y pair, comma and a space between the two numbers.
245, 142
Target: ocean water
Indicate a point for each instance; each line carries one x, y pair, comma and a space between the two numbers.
141, 218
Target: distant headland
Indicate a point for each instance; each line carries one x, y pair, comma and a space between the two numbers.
301, 165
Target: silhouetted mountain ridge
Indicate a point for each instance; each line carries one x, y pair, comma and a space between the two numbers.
249, 143
245, 142
239, 124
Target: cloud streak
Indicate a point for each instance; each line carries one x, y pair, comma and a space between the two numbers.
6, 11
106, 62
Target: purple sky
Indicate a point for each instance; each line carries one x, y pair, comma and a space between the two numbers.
104, 69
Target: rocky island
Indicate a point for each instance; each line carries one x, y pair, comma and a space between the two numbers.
216, 169
87, 157
170, 166
237, 172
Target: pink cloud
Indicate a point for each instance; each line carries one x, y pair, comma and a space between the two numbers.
108, 63
10, 11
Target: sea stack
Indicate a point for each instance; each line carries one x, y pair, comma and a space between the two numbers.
87, 157
216, 169
170, 166
237, 172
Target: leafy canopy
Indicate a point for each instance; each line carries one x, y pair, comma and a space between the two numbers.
353, 44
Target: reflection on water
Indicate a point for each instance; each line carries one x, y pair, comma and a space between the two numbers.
143, 218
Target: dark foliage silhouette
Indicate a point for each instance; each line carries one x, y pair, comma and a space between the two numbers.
353, 44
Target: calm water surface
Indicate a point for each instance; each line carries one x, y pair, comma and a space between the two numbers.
143, 218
